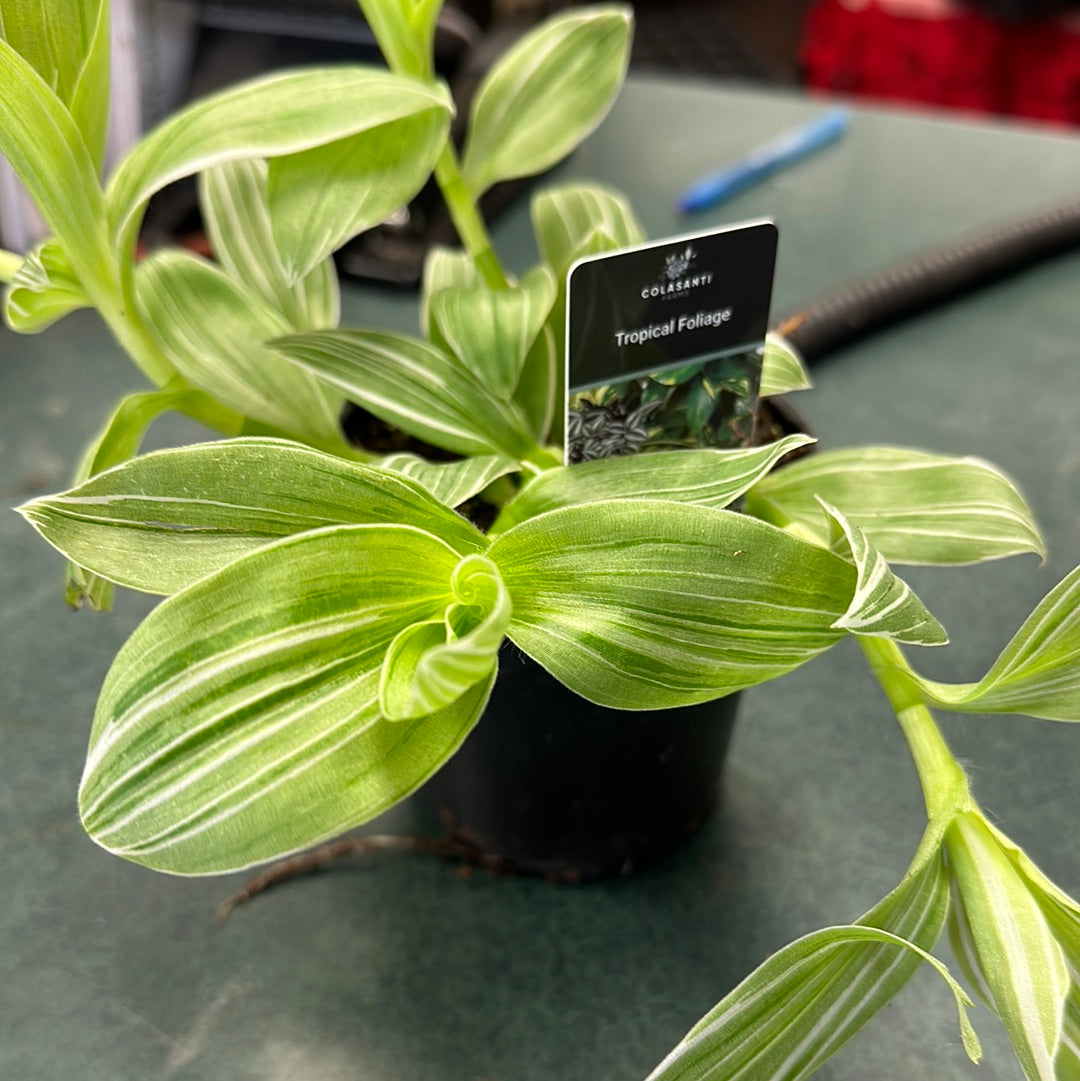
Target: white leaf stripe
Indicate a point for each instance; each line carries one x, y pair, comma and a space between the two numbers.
882, 605
1017, 954
713, 478
765, 1030
251, 696
411, 383
915, 507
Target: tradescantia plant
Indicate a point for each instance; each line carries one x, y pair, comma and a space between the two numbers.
331, 624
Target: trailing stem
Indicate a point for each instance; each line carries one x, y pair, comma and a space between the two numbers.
944, 784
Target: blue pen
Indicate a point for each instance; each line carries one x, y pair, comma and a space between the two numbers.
790, 147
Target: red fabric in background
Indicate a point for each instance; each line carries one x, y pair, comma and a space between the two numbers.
939, 53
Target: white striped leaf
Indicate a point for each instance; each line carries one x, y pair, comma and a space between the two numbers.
710, 477
67, 42
431, 664
491, 330
240, 721
405, 31
118, 441
451, 483
643, 604
563, 217
1037, 673
236, 209
413, 385
914, 506
801, 1005
577, 60
42, 290
1020, 961
1067, 1063
444, 268
213, 330
162, 521
288, 116
782, 369
883, 605
46, 149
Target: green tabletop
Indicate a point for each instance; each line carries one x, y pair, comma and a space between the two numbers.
400, 967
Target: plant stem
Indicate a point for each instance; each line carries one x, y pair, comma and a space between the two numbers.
467, 219
944, 784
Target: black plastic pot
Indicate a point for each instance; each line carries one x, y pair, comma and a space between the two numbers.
550, 784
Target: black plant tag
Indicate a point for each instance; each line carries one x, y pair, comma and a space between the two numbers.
664, 343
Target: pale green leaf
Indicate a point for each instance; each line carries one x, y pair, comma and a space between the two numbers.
413, 385
711, 477
89, 101
451, 483
444, 268
492, 330
43, 290
431, 664
405, 31
46, 149
808, 999
67, 44
914, 506
162, 521
782, 369
321, 198
883, 605
1018, 958
118, 441
564, 217
643, 604
540, 384
545, 94
240, 721
213, 330
277, 116
237, 213
1038, 672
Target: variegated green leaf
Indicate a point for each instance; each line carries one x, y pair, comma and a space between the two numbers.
492, 330
413, 385
241, 722
237, 213
803, 1003
118, 441
643, 604
711, 477
1038, 672
212, 329
782, 369
540, 385
444, 268
285, 117
431, 664
164, 520
563, 218
67, 43
46, 149
451, 483
577, 60
1020, 962
43, 290
915, 507
883, 605
405, 31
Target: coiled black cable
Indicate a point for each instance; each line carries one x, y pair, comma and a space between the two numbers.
923, 282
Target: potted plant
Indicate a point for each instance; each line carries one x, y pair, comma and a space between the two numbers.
332, 627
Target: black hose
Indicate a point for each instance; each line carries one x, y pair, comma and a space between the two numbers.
930, 279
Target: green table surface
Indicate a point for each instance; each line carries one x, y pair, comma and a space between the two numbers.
398, 967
